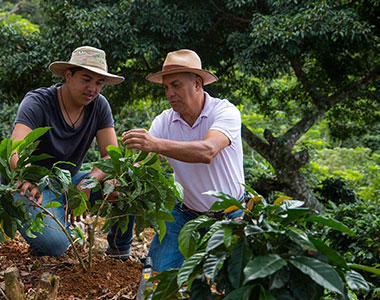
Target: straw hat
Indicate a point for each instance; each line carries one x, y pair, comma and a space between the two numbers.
90, 58
183, 61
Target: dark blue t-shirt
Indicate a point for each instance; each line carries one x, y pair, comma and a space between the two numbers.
40, 108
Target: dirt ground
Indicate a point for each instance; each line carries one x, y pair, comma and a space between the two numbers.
107, 279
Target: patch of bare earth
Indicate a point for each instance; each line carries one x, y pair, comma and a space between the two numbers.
107, 278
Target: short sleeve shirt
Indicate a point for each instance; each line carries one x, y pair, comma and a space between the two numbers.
225, 172
40, 108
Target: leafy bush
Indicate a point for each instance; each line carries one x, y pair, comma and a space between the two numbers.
335, 190
363, 218
271, 254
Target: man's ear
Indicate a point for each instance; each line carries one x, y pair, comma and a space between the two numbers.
67, 74
198, 83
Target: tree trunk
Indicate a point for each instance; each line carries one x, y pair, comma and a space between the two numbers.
286, 164
14, 288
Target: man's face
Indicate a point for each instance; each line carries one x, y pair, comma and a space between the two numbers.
180, 89
84, 86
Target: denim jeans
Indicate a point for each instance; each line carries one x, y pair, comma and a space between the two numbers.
53, 241
166, 255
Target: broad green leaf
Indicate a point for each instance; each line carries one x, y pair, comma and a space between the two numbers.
227, 202
299, 237
238, 259
78, 235
189, 235
280, 279
142, 155
332, 254
43, 183
212, 265
356, 281
302, 286
263, 266
108, 188
216, 240
228, 236
331, 223
37, 225
80, 209
167, 285
89, 183
365, 268
29, 233
242, 293
164, 215
31, 137
188, 267
63, 175
105, 165
9, 225
320, 272
151, 159
162, 229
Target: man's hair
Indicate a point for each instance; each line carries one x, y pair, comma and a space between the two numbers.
192, 76
75, 69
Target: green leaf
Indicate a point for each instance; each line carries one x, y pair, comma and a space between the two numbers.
80, 209
242, 293
37, 225
331, 223
320, 272
151, 159
89, 183
335, 258
240, 255
9, 225
263, 266
216, 240
167, 285
226, 203
78, 235
142, 155
188, 267
212, 265
53, 204
163, 215
189, 235
356, 281
105, 165
228, 235
31, 137
299, 237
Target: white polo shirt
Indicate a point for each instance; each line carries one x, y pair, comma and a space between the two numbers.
225, 173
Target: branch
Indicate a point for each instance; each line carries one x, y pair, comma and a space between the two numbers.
309, 87
14, 10
233, 17
353, 90
255, 142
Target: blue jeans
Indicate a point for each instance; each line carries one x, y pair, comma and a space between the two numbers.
166, 255
53, 241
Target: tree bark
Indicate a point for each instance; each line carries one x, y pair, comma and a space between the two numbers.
14, 288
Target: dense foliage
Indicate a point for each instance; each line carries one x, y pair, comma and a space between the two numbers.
271, 254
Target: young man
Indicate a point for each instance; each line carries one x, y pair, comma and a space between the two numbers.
77, 113
201, 137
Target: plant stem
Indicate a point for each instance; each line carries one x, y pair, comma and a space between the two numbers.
65, 232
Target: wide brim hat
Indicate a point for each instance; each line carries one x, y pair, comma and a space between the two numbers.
182, 61
89, 58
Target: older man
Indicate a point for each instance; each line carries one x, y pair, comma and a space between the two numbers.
201, 137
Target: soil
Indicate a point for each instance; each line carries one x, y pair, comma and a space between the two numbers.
108, 278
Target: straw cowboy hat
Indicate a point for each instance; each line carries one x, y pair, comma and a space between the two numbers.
183, 61
89, 58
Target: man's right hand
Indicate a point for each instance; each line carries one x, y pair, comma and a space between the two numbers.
33, 190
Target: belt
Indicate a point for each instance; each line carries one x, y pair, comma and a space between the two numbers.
211, 214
